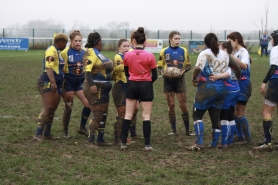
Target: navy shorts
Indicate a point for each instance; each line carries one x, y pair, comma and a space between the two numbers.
102, 95
73, 84
44, 84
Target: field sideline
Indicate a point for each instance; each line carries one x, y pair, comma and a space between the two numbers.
61, 161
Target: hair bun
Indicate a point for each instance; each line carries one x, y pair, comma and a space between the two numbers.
140, 30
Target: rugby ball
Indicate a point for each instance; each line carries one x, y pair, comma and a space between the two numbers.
172, 72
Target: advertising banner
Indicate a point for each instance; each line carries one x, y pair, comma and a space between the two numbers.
14, 44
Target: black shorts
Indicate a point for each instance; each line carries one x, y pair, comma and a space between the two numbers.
119, 93
73, 84
176, 85
140, 90
272, 90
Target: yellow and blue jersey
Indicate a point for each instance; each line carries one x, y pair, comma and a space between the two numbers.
173, 57
119, 73
73, 62
53, 60
100, 66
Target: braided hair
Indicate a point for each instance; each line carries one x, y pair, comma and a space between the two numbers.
92, 39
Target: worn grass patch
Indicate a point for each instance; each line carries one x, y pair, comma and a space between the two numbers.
61, 161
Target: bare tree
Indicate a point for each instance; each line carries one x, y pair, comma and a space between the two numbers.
264, 20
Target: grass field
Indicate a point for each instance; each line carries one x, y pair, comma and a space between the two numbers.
61, 161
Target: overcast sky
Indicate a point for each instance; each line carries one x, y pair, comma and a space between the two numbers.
151, 14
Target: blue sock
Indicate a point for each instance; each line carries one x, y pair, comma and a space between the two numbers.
199, 131
245, 127
238, 128
215, 137
224, 132
84, 117
232, 129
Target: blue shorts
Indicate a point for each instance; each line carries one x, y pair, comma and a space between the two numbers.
245, 90
73, 84
44, 84
210, 94
230, 99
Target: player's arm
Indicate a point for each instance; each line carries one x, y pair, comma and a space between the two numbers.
153, 68
88, 63
64, 55
235, 67
49, 64
224, 75
186, 64
200, 64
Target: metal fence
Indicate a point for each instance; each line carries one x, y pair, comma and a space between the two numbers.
41, 38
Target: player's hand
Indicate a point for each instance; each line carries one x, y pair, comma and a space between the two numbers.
53, 87
262, 89
93, 89
182, 71
213, 77
194, 83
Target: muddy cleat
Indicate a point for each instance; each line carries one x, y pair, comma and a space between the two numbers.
104, 144
123, 147
190, 133
82, 131
38, 138
171, 134
266, 147
67, 136
148, 148
244, 142
128, 141
195, 147
223, 147
50, 137
212, 147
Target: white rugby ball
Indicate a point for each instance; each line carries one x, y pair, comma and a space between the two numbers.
172, 72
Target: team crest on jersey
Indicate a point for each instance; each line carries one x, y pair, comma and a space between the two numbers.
71, 58
167, 56
101, 57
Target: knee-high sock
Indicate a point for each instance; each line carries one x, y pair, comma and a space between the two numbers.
101, 128
185, 118
267, 130
66, 117
172, 119
147, 132
215, 137
239, 133
92, 131
118, 129
40, 127
48, 125
125, 129
224, 132
84, 117
232, 129
199, 131
245, 127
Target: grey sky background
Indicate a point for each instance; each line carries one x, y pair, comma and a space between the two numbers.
151, 14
